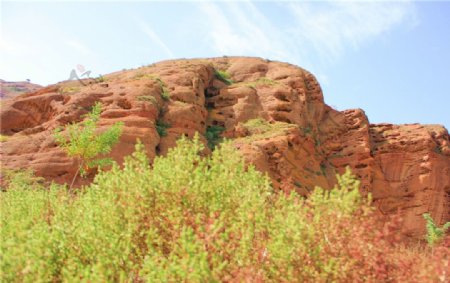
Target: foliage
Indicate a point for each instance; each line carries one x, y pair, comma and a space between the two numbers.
201, 219
3, 138
435, 234
21, 179
212, 135
69, 89
83, 142
263, 81
165, 93
141, 75
161, 127
148, 98
223, 76
100, 79
260, 129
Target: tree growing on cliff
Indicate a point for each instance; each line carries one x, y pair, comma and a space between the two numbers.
83, 142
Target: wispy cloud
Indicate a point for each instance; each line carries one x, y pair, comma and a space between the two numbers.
333, 27
155, 38
321, 29
239, 28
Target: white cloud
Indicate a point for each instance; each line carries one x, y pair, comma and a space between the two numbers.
322, 29
331, 27
155, 38
240, 29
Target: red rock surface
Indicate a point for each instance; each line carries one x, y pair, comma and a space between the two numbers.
303, 142
13, 89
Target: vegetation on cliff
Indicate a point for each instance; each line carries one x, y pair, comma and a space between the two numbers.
200, 219
82, 141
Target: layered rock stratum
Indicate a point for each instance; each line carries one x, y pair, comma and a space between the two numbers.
273, 112
13, 89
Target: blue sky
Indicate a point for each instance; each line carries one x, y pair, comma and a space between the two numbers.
391, 59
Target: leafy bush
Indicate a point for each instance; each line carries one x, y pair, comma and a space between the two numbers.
165, 94
435, 234
223, 76
201, 219
161, 127
21, 179
213, 135
81, 141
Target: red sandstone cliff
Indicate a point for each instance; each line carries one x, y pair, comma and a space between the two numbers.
299, 140
13, 89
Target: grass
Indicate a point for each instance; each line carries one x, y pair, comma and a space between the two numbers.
165, 93
69, 89
263, 81
148, 98
266, 81
259, 129
140, 76
100, 79
3, 138
223, 76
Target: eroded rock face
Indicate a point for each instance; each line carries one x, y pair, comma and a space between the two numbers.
12, 89
296, 138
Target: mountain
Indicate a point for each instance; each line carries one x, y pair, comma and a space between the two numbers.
274, 113
12, 89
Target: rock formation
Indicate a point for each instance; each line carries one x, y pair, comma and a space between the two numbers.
13, 89
273, 112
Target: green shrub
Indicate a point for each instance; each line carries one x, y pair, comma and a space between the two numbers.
165, 94
223, 76
189, 218
82, 142
161, 127
21, 179
435, 234
100, 79
212, 135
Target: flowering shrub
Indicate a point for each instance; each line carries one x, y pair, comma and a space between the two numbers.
203, 219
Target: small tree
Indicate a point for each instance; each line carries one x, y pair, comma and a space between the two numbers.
81, 141
434, 232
